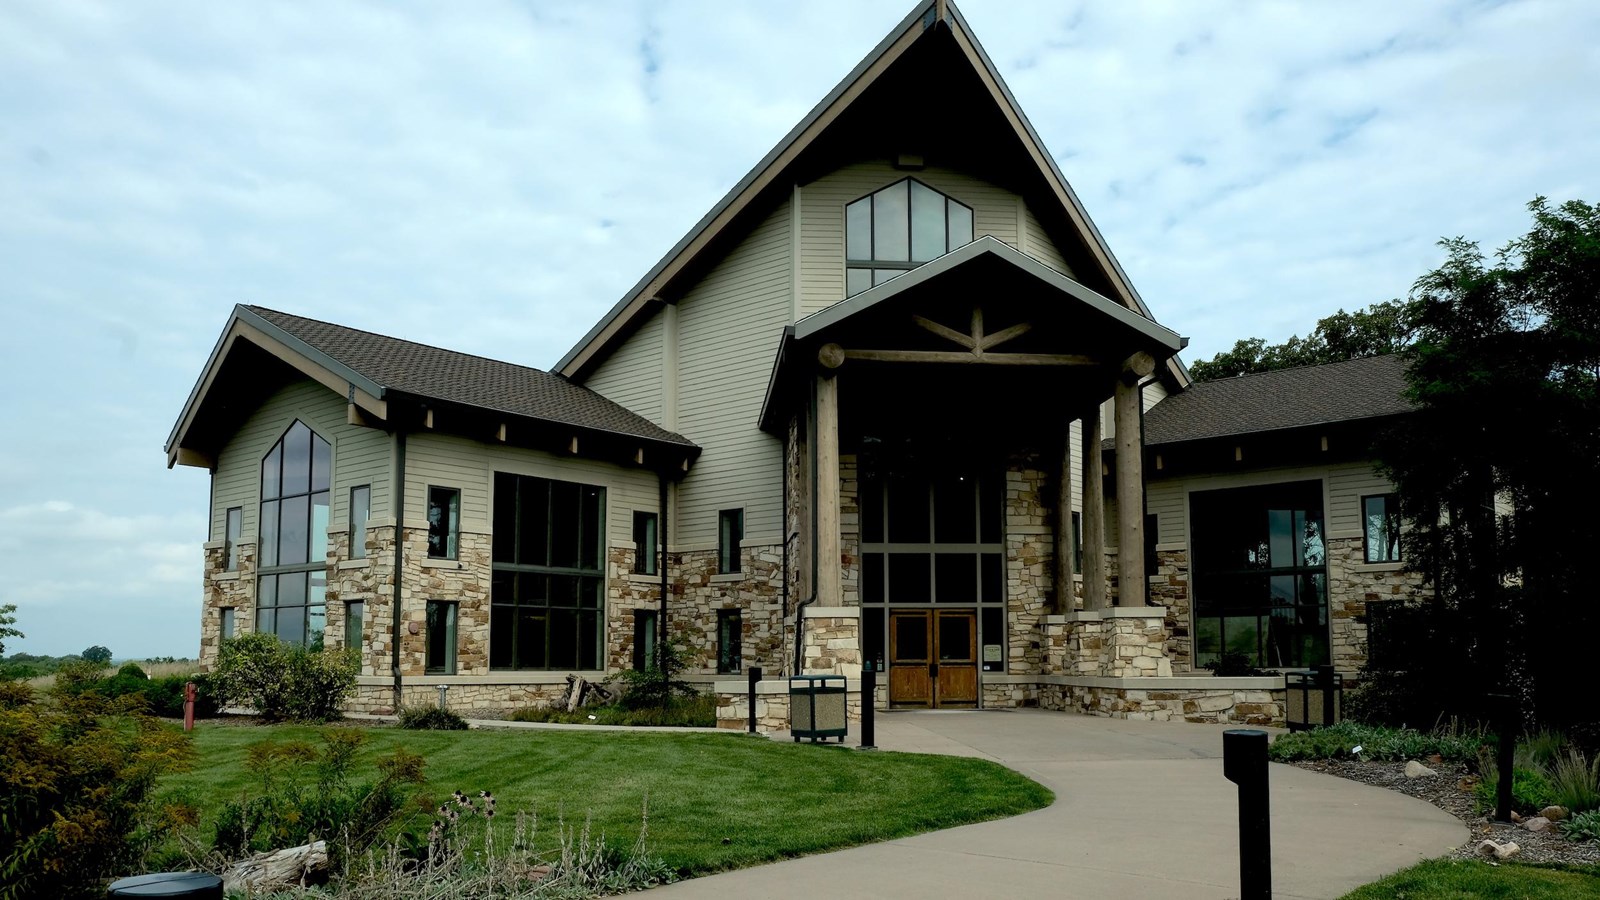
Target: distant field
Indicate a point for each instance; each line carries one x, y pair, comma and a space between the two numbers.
153, 669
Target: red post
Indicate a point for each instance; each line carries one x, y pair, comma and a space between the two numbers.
188, 706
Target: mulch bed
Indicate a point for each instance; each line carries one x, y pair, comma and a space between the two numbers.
1451, 791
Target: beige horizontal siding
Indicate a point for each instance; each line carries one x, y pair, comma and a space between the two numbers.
1344, 484
632, 374
1037, 244
729, 326
360, 455
994, 212
439, 460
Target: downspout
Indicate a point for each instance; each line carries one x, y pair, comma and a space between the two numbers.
399, 559
799, 611
661, 617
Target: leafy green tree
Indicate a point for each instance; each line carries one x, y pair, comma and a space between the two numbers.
1493, 469
8, 618
1378, 329
97, 654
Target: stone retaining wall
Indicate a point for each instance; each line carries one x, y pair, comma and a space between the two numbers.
1215, 706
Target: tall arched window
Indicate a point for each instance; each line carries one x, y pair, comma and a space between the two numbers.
293, 582
898, 228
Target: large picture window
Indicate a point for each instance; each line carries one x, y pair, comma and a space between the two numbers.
899, 228
293, 547
548, 596
1260, 575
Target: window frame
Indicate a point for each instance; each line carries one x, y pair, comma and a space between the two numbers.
355, 611
871, 263
357, 537
646, 634
452, 638
1391, 516
730, 643
233, 525
270, 567
452, 535
729, 541
508, 603
645, 557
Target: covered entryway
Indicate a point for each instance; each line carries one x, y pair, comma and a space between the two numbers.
933, 658
928, 421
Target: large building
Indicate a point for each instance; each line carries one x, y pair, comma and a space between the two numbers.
883, 403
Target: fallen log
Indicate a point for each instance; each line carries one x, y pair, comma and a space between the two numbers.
275, 871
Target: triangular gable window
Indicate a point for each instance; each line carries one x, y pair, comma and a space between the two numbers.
897, 228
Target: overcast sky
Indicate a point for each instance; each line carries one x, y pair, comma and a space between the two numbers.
491, 177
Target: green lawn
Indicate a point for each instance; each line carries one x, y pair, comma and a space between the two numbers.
716, 801
1457, 879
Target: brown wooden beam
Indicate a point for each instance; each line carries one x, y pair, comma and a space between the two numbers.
991, 359
830, 590
1064, 567
1132, 588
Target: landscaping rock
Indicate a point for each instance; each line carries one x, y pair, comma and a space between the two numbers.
1499, 850
1536, 824
1415, 769
1554, 813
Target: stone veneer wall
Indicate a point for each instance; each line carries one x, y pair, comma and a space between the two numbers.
236, 589
1207, 705
1352, 584
833, 645
1029, 540
369, 580
1169, 588
627, 592
698, 592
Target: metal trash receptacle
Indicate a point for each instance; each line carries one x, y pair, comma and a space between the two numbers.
1313, 699
817, 707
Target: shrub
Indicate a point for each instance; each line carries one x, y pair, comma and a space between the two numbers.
1377, 743
77, 776
656, 686
1233, 664
698, 711
1530, 790
306, 794
132, 670
282, 681
431, 718
1575, 782
1584, 826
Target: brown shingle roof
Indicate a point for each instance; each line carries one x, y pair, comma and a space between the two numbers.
1288, 398
446, 375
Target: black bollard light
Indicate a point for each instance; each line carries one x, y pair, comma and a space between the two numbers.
755, 678
1244, 762
869, 703
1506, 715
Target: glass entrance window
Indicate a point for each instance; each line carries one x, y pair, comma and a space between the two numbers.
1260, 575
293, 543
930, 540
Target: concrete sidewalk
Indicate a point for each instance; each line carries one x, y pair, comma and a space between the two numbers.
1141, 811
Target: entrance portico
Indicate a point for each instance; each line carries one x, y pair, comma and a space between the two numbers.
932, 456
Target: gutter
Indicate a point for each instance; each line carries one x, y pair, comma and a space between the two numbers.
399, 560
799, 610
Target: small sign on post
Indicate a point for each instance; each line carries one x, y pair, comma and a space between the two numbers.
188, 706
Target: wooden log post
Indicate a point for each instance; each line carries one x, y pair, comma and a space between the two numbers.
1132, 588
1064, 564
830, 591
1092, 486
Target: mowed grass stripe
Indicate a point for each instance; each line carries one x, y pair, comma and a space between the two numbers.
769, 800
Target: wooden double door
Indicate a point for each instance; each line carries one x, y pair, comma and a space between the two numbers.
933, 657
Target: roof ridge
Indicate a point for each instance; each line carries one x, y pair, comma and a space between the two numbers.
1337, 362
390, 337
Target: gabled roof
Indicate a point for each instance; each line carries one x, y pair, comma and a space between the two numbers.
1288, 398
988, 246
925, 19
376, 369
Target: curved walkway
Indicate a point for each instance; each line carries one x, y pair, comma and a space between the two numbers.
1141, 811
